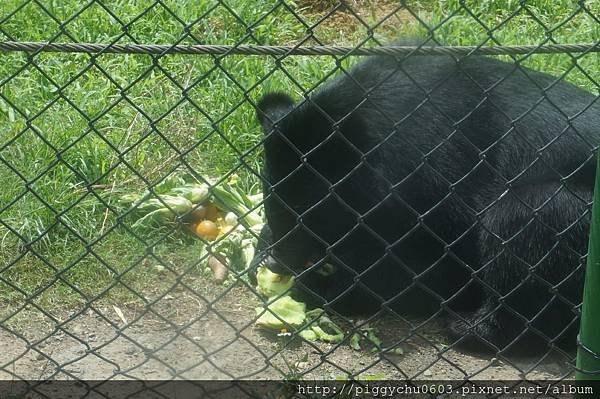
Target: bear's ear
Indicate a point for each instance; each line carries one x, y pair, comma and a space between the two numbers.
271, 108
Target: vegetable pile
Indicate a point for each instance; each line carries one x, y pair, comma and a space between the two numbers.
222, 214
228, 221
283, 312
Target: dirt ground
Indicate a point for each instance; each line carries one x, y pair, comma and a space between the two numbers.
336, 25
208, 332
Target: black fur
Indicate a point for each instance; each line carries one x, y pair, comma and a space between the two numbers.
433, 184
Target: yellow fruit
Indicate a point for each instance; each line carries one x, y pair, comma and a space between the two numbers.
207, 229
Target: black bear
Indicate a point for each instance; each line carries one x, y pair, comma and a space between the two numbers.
436, 186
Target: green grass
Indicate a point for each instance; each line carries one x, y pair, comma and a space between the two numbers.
117, 123
120, 122
508, 22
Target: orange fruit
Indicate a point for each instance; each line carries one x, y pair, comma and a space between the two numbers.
207, 229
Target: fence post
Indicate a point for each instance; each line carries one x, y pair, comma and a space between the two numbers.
588, 352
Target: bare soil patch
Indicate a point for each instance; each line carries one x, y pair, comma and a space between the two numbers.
210, 334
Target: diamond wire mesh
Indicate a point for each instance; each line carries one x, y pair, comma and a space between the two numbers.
108, 301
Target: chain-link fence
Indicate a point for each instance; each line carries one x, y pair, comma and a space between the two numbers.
167, 165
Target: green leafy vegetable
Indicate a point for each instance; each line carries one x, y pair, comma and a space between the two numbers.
196, 193
290, 313
272, 284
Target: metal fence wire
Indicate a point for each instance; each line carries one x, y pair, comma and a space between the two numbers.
431, 195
